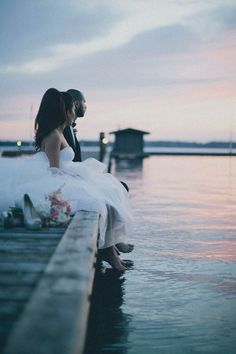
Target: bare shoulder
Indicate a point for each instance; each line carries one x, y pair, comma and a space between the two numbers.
54, 139
55, 135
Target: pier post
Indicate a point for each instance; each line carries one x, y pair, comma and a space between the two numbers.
102, 146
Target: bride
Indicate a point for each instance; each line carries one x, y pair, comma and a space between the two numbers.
85, 185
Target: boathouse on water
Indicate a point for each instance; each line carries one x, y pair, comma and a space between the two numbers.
129, 144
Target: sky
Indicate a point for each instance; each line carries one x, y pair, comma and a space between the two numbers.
164, 66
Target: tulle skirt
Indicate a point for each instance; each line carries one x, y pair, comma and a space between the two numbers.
84, 185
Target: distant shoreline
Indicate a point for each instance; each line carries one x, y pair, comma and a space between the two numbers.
87, 150
147, 144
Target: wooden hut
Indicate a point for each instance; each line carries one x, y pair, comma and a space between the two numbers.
129, 144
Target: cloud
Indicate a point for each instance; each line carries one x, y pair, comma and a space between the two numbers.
161, 64
130, 19
29, 30
215, 22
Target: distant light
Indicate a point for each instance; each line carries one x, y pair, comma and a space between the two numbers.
104, 140
18, 143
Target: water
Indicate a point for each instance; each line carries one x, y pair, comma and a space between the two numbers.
180, 294
201, 150
92, 149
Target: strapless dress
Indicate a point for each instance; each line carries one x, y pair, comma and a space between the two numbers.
85, 185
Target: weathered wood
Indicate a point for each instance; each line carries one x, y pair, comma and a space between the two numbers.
55, 319
17, 278
11, 244
23, 267
15, 293
11, 308
24, 256
21, 232
107, 160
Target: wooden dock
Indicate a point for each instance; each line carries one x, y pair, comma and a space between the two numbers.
46, 280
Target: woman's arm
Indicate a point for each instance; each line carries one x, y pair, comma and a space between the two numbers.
52, 149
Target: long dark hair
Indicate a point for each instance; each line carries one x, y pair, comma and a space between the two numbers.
68, 101
51, 115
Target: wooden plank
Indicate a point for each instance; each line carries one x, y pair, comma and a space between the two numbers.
20, 229
55, 320
11, 308
17, 278
12, 248
30, 267
24, 241
17, 293
24, 255
107, 160
34, 234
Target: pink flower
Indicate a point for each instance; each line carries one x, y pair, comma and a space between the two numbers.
60, 209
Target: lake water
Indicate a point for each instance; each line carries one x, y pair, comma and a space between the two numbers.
180, 294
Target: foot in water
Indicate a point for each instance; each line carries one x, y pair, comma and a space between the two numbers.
110, 256
124, 247
127, 263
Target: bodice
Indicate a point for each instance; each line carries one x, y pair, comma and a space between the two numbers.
67, 154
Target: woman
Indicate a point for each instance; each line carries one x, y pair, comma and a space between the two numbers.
85, 185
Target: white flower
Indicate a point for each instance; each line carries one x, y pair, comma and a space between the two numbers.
44, 209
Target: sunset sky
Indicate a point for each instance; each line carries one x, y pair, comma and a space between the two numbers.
165, 66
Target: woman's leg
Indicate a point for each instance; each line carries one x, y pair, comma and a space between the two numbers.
110, 255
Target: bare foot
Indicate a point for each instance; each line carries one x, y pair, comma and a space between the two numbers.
110, 256
124, 247
127, 263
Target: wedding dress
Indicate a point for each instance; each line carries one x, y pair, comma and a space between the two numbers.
84, 185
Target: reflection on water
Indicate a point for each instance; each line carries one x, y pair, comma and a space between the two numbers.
180, 295
108, 324
134, 165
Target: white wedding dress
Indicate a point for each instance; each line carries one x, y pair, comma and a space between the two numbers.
85, 185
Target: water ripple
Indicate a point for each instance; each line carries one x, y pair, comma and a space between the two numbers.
180, 294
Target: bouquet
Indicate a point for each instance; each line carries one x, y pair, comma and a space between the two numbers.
55, 210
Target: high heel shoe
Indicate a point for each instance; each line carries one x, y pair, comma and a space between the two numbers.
31, 219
